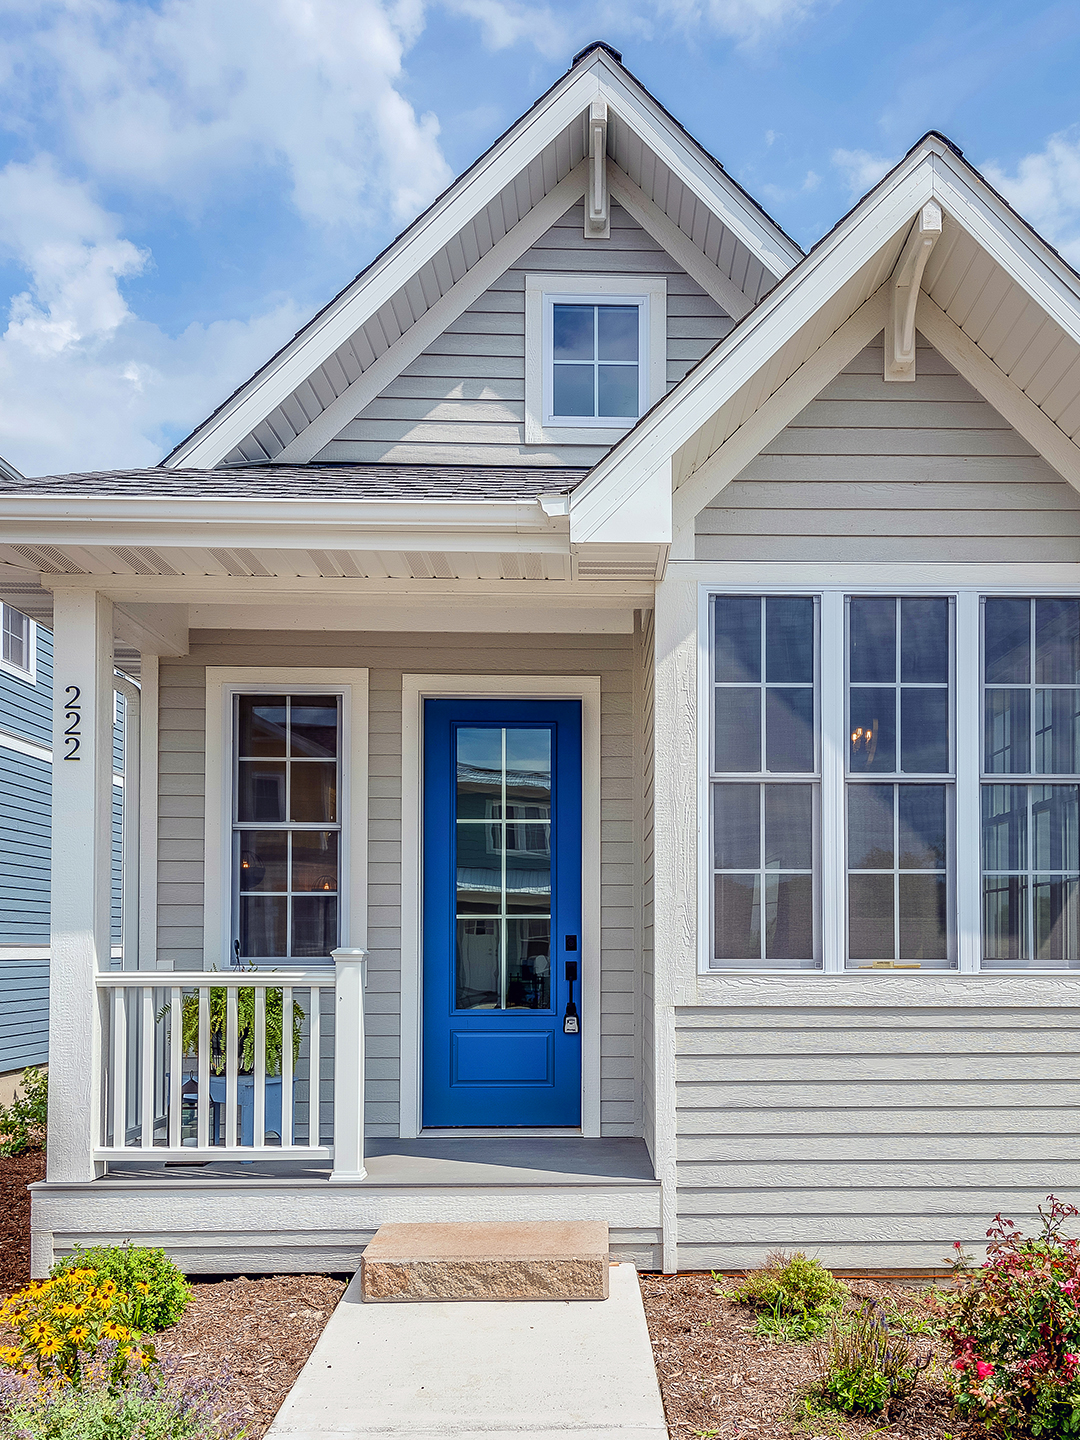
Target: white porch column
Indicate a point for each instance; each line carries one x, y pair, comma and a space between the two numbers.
349, 1066
81, 874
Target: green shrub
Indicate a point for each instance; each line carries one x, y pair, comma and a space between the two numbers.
152, 1280
796, 1298
864, 1368
23, 1122
1013, 1326
152, 1408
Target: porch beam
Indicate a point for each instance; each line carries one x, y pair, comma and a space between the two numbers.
81, 875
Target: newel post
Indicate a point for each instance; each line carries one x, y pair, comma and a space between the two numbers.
349, 1066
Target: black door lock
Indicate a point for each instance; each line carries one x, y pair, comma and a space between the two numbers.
571, 1024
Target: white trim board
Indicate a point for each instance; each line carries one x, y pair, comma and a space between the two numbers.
414, 690
222, 683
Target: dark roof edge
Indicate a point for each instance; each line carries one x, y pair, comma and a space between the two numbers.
589, 50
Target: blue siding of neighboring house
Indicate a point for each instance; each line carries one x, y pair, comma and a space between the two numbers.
25, 797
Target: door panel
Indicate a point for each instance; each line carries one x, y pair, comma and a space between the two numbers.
502, 911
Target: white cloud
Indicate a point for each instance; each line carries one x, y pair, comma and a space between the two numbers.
860, 169
181, 96
1045, 189
84, 382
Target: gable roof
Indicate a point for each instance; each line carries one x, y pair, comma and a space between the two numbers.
995, 299
8, 472
484, 221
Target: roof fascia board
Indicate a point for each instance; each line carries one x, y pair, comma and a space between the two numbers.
185, 589
750, 345
433, 322
979, 370
677, 243
709, 183
1044, 276
781, 407
323, 335
229, 534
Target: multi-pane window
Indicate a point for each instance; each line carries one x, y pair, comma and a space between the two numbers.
1031, 733
286, 825
596, 361
899, 661
16, 648
764, 781
503, 867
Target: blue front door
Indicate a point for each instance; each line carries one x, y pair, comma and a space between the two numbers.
502, 912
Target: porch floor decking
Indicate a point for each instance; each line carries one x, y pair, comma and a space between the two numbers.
430, 1161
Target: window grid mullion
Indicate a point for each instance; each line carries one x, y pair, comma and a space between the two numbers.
833, 728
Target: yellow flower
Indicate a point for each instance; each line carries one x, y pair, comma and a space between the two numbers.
114, 1331
78, 1333
142, 1288
65, 1310
11, 1356
39, 1332
51, 1346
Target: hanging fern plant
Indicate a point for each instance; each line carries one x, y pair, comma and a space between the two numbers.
245, 1015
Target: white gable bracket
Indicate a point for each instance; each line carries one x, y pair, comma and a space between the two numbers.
904, 287
597, 204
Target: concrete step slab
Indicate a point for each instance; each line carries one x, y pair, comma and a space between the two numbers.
480, 1371
517, 1260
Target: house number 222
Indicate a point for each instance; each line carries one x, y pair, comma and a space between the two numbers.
73, 718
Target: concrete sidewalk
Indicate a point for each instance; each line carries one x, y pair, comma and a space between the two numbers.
493, 1370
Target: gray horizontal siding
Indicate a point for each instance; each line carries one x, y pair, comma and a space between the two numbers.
876, 471
463, 400
24, 1013
872, 1138
387, 657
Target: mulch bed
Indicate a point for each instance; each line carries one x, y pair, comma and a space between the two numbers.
719, 1379
16, 1173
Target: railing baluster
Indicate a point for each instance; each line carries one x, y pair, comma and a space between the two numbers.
314, 1067
260, 1066
176, 1067
232, 1045
203, 1104
286, 1066
147, 1087
119, 1072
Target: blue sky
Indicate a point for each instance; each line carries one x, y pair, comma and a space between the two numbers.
182, 184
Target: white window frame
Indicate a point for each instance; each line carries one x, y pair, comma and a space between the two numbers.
29, 675
967, 720
222, 685
542, 293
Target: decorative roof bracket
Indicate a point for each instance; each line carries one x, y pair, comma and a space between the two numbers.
904, 286
597, 201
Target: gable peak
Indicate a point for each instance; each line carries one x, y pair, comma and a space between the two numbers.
593, 46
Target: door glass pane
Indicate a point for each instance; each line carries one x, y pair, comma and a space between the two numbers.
264, 860
479, 867
315, 860
873, 731
478, 969
528, 967
262, 725
313, 789
528, 770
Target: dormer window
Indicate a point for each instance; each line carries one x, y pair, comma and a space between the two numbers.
596, 355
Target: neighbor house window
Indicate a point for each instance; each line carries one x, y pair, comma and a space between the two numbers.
17, 655
1031, 783
286, 828
595, 355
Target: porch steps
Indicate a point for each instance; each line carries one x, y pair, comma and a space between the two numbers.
513, 1260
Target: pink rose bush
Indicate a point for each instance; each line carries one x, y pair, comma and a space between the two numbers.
1014, 1327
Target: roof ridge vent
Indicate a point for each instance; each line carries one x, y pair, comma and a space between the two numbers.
616, 55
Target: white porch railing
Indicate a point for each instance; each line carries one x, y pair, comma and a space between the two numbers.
231, 1065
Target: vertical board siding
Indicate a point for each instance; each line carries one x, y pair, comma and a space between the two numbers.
24, 1012
876, 471
463, 399
870, 1137
387, 657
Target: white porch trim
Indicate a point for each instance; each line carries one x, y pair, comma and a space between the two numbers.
222, 683
414, 690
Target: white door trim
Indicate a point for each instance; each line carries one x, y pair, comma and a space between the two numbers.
414, 690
